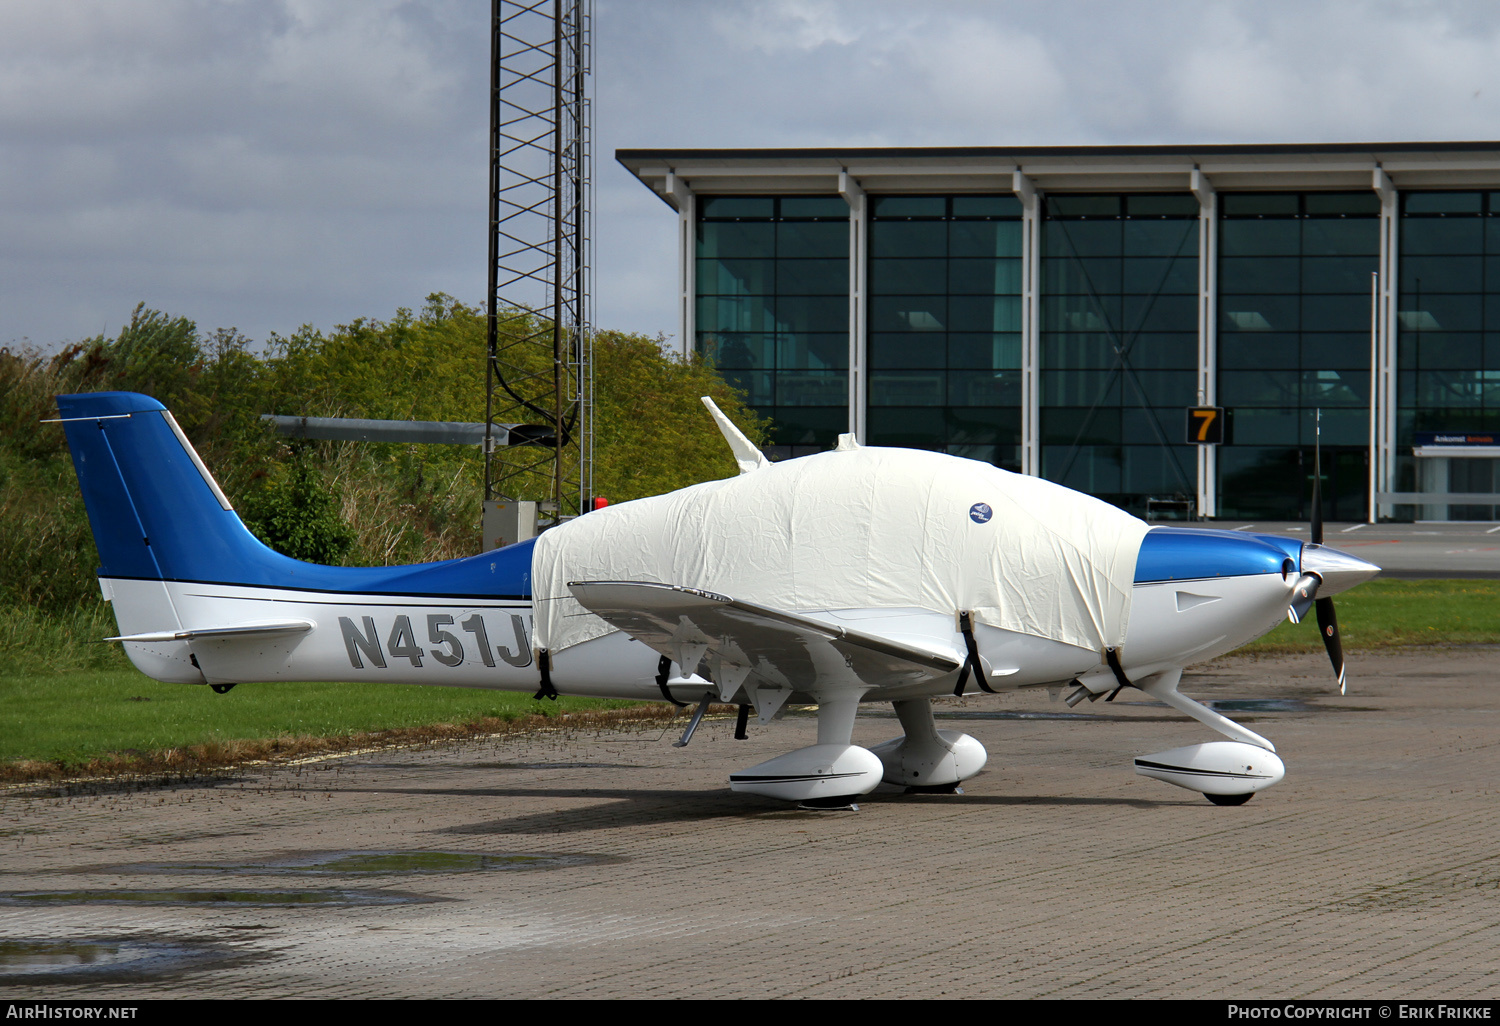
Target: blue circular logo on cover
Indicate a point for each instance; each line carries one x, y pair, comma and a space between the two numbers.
980, 513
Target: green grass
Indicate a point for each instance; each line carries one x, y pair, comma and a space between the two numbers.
1399, 614
75, 717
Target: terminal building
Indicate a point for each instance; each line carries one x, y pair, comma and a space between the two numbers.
1059, 310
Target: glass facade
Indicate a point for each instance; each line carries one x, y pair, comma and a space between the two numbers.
1294, 321
1116, 335
773, 310
944, 341
1448, 337
1119, 345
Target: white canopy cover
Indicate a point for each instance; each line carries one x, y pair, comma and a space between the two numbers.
860, 528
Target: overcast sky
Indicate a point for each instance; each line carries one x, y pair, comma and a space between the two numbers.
268, 163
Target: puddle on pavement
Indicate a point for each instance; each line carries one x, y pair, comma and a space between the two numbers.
32, 961
1255, 705
375, 863
217, 898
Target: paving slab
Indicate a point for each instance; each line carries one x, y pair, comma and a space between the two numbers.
618, 866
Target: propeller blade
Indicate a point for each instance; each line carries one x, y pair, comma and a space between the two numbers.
1328, 626
1303, 594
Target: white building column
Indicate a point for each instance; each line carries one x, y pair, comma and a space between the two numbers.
1208, 332
859, 233
1383, 466
1031, 344
686, 202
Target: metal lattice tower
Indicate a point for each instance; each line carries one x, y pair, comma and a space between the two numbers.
539, 336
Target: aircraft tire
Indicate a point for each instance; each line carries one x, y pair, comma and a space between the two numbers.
1229, 799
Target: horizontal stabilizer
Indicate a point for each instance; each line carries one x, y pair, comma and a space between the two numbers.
257, 629
782, 649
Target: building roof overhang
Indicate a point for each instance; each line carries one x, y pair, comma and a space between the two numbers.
1341, 166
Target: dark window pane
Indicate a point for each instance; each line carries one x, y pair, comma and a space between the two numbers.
1424, 275
1081, 313
1315, 204
739, 351
984, 313
756, 384
812, 351
909, 239
908, 313
1338, 274
811, 388
1071, 276
1164, 349
822, 207
1158, 204
985, 277
1450, 388
985, 350
909, 206
1080, 426
1265, 426
1260, 238
1337, 237
969, 426
986, 206
1082, 238
1447, 351
1093, 469
984, 238
1258, 313
1160, 388
1161, 238
812, 313
1440, 313
1264, 350
736, 239
1325, 388
813, 277
908, 388
1159, 313
812, 239
909, 277
1259, 274
1442, 235
1252, 204
730, 276
1259, 388
1081, 388
1336, 313
1175, 276
819, 426
735, 314
1338, 350
1158, 471
736, 206
1073, 350
903, 351
910, 427
1442, 202
1083, 206
984, 388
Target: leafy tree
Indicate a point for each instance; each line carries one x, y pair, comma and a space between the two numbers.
295, 515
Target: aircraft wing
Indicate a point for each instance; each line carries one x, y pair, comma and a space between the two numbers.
763, 648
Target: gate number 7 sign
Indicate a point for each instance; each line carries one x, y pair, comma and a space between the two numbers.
1205, 425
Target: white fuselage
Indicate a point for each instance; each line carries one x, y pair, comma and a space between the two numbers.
478, 643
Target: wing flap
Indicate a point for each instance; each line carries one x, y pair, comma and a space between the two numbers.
784, 649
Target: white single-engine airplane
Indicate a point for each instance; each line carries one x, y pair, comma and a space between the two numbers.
856, 575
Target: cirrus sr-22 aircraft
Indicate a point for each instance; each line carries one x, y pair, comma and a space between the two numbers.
861, 574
